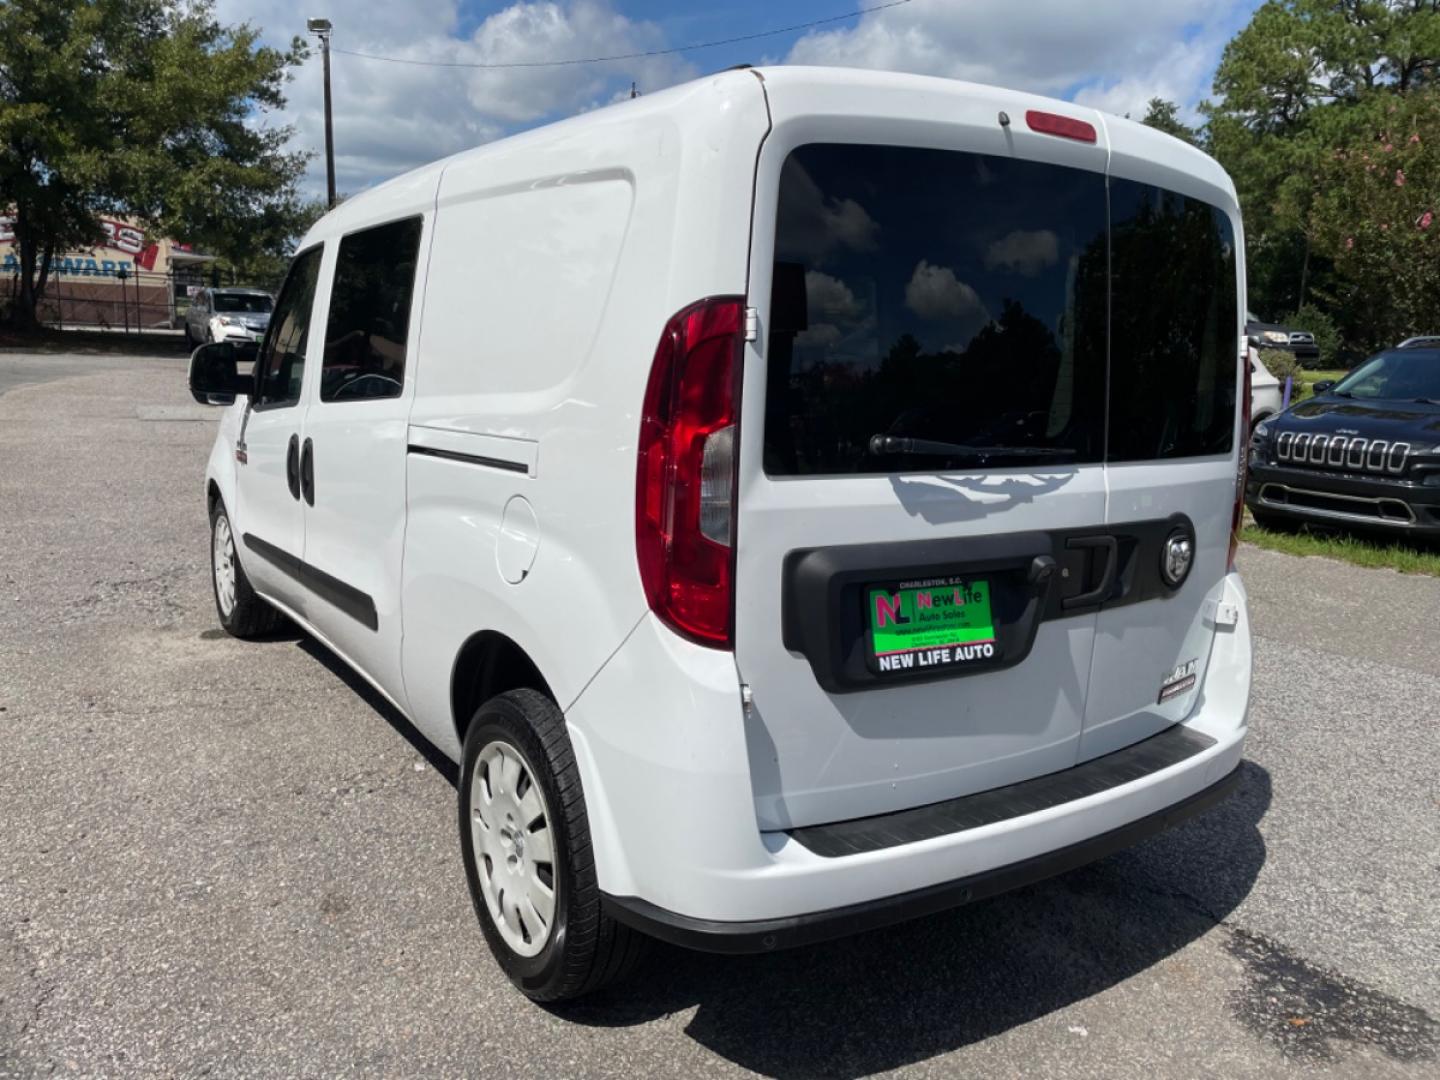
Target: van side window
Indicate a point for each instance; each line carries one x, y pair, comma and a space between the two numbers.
370, 313
1174, 325
282, 360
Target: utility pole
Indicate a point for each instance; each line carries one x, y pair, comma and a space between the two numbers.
321, 28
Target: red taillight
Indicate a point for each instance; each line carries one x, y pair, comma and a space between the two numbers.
1065, 126
1237, 517
685, 476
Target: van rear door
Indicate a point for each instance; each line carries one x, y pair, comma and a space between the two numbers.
1176, 338
922, 499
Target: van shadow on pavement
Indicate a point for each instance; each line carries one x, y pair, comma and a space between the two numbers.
907, 993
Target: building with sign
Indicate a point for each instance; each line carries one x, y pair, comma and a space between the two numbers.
129, 279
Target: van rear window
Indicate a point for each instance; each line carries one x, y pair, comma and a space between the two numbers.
934, 309
1174, 338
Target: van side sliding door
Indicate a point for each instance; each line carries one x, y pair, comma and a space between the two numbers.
354, 445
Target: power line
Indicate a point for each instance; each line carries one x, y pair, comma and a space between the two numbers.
628, 56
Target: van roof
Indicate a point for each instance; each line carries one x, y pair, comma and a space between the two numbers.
806, 87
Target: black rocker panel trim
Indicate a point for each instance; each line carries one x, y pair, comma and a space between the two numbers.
358, 605
470, 459
766, 935
1169, 747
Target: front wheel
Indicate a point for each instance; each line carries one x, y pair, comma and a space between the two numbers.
242, 612
525, 841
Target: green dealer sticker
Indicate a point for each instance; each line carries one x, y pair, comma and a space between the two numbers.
938, 622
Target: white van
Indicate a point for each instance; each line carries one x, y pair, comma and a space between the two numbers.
800, 500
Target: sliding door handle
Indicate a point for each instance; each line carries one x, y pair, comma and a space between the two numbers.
292, 466
307, 473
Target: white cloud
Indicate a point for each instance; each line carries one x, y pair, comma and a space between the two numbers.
821, 335
391, 117
1108, 53
1181, 74
1114, 54
934, 292
830, 296
817, 223
1024, 251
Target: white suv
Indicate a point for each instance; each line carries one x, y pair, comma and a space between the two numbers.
799, 500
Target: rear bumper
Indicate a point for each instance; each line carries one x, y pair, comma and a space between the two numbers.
679, 852
1313, 495
766, 935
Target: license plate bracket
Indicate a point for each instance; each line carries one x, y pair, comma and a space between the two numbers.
929, 624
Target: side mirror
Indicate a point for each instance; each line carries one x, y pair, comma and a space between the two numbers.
214, 372
1322, 386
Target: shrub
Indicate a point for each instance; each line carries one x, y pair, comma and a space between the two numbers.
1282, 363
1327, 336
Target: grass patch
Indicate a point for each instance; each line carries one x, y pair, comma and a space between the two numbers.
1346, 548
1305, 382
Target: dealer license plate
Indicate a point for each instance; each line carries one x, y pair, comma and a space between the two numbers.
931, 623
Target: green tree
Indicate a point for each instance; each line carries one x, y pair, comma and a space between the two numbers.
1303, 81
266, 256
141, 108
1165, 116
1377, 215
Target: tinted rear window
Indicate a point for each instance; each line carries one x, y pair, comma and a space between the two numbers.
1173, 318
934, 295
962, 299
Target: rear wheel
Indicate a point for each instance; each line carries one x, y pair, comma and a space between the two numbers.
525, 841
242, 612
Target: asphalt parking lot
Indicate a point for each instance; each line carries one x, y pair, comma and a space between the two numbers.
225, 858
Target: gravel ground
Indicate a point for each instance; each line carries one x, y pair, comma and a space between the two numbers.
233, 859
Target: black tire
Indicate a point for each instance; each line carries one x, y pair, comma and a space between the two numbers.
586, 949
251, 616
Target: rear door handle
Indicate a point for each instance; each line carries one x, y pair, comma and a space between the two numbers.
307, 473
292, 466
1110, 554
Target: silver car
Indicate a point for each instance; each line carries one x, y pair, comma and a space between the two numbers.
227, 314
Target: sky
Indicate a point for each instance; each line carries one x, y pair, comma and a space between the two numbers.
1111, 54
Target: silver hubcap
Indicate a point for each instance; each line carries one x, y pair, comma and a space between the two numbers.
223, 557
514, 857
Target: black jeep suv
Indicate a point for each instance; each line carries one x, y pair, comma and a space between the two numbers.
1364, 451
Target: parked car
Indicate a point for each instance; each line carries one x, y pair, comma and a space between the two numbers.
227, 314
1265, 335
1267, 395
800, 546
1427, 341
1364, 451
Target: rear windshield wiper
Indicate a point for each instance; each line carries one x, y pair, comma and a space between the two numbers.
898, 444
1426, 401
